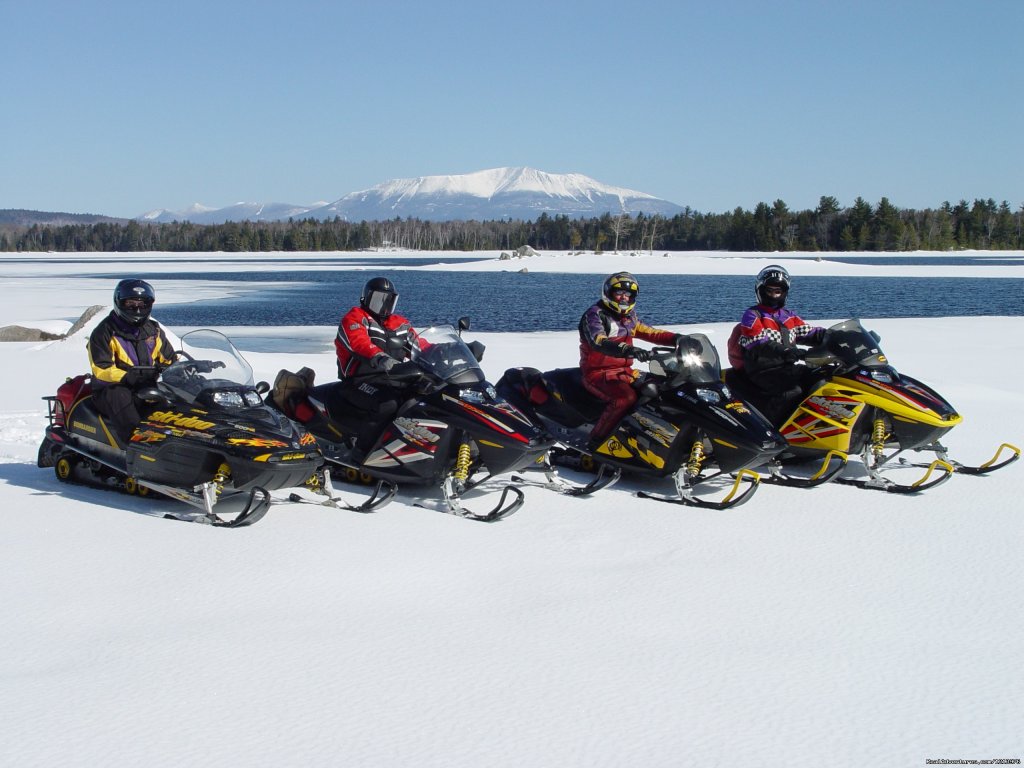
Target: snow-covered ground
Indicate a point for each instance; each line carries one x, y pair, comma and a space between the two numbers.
833, 626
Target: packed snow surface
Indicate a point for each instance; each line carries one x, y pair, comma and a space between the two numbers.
832, 626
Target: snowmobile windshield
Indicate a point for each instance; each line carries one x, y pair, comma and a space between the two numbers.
854, 345
696, 363
442, 353
208, 363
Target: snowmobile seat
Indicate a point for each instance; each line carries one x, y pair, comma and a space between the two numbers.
570, 404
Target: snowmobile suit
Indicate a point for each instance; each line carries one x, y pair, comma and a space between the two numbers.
361, 344
606, 339
361, 337
115, 347
762, 349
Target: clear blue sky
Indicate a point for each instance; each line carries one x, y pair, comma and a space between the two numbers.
121, 107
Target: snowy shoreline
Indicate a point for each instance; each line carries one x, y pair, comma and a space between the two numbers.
832, 626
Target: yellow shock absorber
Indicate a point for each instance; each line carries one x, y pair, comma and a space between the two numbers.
462, 462
696, 460
878, 436
222, 476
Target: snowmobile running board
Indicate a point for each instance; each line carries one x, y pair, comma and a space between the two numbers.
606, 478
731, 499
320, 484
831, 467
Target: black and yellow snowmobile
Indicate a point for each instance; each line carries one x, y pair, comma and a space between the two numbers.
861, 405
207, 439
686, 425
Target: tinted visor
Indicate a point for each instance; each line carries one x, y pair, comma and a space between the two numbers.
381, 304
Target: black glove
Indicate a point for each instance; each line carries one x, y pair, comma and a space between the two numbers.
641, 355
206, 366
688, 345
791, 355
383, 362
139, 376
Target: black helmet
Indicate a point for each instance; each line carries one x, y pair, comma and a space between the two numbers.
379, 298
133, 300
620, 281
772, 276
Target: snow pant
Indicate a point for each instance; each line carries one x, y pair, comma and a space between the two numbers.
777, 397
120, 407
615, 389
367, 404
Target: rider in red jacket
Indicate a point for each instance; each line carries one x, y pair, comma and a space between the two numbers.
371, 336
371, 340
607, 330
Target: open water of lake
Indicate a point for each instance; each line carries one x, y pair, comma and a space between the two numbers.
510, 301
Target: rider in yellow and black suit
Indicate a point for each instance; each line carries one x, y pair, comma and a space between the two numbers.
125, 340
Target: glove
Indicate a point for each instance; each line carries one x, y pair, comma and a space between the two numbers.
641, 355
206, 366
383, 362
791, 355
688, 345
139, 376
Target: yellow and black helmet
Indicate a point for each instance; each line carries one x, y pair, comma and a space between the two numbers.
613, 294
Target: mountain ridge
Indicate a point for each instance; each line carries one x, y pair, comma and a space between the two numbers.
497, 193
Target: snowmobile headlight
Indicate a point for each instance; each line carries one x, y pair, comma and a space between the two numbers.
474, 395
252, 399
228, 399
709, 395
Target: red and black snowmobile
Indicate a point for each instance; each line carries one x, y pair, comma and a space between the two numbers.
453, 431
207, 438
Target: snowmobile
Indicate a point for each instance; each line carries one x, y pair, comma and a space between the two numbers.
862, 405
207, 439
453, 431
686, 424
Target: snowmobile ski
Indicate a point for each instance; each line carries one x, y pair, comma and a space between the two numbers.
384, 491
982, 469
876, 481
452, 503
734, 498
606, 477
831, 467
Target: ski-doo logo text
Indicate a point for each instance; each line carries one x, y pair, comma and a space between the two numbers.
832, 408
179, 420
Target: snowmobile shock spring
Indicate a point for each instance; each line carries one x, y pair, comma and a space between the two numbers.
222, 476
878, 436
462, 462
696, 460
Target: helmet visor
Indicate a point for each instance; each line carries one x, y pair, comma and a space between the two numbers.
381, 304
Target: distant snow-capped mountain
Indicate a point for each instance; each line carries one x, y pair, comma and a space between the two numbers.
201, 214
499, 193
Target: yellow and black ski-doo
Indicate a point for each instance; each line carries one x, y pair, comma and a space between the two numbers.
207, 439
861, 405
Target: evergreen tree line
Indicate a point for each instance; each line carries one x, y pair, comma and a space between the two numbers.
861, 227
